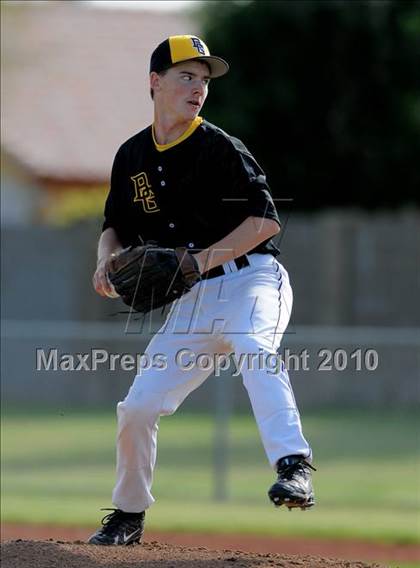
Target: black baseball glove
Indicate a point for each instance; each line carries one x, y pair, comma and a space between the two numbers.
148, 277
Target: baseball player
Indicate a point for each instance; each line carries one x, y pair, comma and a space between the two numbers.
183, 182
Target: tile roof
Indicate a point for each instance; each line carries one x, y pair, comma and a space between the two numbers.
75, 84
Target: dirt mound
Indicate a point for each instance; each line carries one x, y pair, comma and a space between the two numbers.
59, 554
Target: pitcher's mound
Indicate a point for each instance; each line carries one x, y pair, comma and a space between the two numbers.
58, 554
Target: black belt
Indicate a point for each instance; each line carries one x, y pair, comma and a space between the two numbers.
240, 262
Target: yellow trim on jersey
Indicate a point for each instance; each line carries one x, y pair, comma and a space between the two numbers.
182, 47
192, 127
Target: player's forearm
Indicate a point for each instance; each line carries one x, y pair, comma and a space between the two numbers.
249, 234
108, 244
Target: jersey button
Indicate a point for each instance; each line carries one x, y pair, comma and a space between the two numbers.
172, 225
162, 183
190, 245
159, 168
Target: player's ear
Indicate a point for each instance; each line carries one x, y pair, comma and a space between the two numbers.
154, 81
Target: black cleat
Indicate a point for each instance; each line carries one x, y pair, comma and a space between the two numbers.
120, 528
293, 487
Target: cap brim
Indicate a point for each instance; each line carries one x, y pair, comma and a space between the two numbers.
218, 66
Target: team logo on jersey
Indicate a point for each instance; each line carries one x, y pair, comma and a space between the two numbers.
198, 45
144, 194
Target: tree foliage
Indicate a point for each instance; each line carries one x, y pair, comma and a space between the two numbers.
325, 94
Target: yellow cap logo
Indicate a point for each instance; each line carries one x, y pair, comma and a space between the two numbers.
187, 47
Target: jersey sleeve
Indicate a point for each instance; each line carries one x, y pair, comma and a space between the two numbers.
114, 206
248, 181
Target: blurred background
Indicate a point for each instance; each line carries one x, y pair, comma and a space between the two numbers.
325, 94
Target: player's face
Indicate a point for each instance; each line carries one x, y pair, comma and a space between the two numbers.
183, 89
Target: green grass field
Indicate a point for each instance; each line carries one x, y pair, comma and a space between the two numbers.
59, 468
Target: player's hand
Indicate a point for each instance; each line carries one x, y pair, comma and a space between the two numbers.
101, 281
201, 260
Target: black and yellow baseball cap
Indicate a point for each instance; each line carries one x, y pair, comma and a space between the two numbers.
180, 48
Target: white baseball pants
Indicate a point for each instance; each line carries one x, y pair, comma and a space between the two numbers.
244, 312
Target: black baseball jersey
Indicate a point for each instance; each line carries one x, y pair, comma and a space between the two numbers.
191, 192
